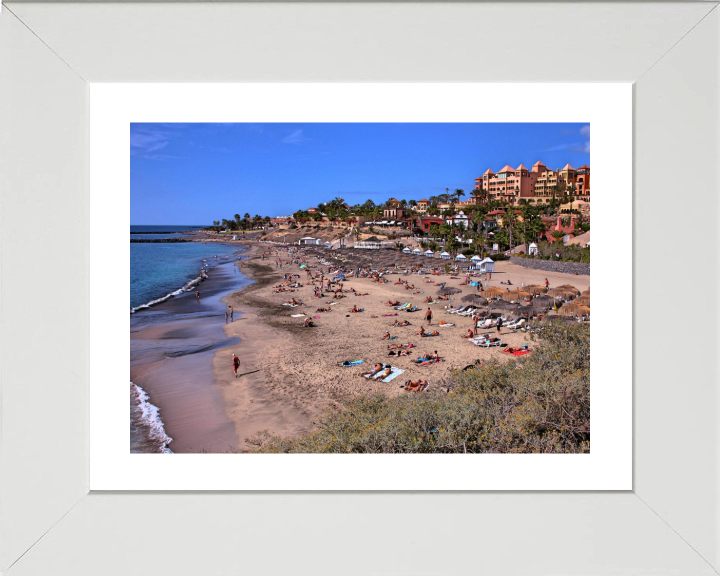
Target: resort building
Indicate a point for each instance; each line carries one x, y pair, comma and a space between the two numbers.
459, 219
396, 212
424, 223
422, 206
535, 186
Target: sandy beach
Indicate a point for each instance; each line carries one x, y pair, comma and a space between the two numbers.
290, 374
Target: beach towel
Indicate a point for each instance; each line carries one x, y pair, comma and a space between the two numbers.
394, 374
351, 363
517, 352
300, 315
426, 335
443, 324
316, 317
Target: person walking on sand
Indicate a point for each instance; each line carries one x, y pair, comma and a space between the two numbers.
231, 313
236, 364
428, 316
499, 325
197, 295
547, 285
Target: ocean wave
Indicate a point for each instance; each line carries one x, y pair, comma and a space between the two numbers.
187, 288
147, 416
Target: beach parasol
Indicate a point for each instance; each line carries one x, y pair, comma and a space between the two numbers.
502, 305
574, 310
448, 290
516, 296
570, 289
582, 300
534, 289
561, 293
492, 292
585, 292
474, 299
543, 301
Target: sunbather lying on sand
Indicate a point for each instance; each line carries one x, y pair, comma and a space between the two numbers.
445, 297
398, 323
415, 385
400, 353
428, 334
396, 303
356, 309
362, 294
408, 345
374, 371
324, 310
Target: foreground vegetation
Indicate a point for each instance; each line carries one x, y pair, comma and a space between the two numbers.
535, 403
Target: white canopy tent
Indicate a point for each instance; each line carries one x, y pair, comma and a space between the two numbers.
476, 258
407, 250
487, 265
417, 251
429, 253
445, 256
533, 249
460, 257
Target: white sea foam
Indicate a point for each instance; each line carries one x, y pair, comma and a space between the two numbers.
148, 418
187, 288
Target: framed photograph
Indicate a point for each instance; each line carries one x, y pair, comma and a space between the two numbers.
366, 178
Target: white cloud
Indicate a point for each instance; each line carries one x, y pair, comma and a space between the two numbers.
295, 138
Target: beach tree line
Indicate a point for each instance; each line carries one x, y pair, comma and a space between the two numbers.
539, 403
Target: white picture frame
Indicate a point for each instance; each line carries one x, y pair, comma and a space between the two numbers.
606, 108
49, 522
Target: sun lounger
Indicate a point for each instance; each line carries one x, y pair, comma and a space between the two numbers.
297, 315
458, 310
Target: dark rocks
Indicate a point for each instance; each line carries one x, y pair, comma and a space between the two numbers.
553, 265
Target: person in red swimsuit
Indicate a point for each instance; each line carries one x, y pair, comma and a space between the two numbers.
236, 364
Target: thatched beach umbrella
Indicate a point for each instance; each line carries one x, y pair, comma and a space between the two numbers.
534, 289
502, 305
582, 300
570, 289
448, 290
516, 296
492, 292
543, 301
561, 293
474, 299
585, 292
574, 310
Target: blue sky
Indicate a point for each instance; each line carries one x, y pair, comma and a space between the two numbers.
197, 173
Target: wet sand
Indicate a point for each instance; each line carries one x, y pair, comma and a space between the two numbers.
172, 350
